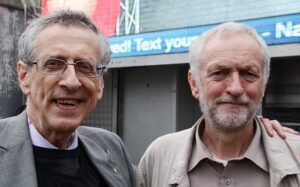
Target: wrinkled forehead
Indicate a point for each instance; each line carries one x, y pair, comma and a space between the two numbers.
68, 40
239, 48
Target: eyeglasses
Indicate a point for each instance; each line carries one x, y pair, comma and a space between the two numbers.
54, 66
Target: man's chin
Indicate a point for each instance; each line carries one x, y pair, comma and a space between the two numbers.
230, 120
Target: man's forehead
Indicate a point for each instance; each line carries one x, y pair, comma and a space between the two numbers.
233, 38
57, 39
231, 65
230, 49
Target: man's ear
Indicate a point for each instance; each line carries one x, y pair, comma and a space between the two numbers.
23, 77
193, 85
100, 83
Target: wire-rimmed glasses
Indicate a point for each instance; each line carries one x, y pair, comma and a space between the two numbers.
55, 66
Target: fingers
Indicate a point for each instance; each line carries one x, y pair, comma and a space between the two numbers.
279, 128
290, 130
268, 126
274, 125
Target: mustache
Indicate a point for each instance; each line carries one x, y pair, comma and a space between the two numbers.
244, 100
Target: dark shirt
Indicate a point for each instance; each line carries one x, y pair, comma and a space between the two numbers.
65, 168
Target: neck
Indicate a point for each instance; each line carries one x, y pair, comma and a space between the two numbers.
227, 144
60, 141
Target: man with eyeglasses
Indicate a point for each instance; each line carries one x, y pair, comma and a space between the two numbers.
62, 59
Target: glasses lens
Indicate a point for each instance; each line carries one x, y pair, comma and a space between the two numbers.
85, 68
52, 66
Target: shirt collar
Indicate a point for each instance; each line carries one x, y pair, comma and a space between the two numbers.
255, 151
199, 150
38, 140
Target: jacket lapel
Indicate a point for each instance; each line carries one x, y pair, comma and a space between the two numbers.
179, 174
101, 160
277, 151
16, 155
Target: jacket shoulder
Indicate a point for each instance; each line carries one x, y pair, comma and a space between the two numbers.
99, 136
5, 121
95, 131
172, 140
293, 142
14, 127
162, 155
168, 146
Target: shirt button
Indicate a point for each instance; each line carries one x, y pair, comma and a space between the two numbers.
227, 181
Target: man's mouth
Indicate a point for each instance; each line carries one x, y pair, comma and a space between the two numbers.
69, 102
233, 104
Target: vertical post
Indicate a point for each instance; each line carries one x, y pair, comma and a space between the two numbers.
137, 16
127, 29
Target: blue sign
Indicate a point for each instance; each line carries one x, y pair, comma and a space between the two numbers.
274, 30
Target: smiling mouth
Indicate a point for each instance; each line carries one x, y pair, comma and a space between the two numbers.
234, 104
67, 102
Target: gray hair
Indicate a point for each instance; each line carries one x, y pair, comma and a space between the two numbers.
27, 42
225, 30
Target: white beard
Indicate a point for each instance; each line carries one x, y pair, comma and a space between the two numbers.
229, 119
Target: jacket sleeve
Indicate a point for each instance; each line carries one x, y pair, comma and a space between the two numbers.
132, 169
146, 167
142, 174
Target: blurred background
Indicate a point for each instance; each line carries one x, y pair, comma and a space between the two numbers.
146, 91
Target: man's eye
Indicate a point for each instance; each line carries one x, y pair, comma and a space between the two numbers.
54, 64
218, 74
249, 76
84, 67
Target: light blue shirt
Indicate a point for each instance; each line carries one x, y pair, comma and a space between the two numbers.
38, 140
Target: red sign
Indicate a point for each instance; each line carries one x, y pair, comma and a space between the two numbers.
103, 12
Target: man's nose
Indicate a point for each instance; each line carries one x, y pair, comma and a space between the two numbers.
235, 86
70, 79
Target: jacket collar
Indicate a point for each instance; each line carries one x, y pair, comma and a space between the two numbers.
179, 170
14, 132
282, 159
100, 156
16, 153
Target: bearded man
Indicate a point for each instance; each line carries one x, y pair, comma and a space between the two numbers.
227, 146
